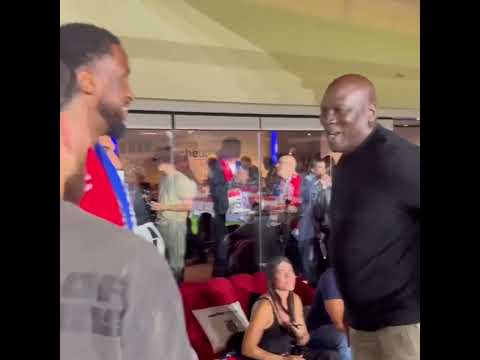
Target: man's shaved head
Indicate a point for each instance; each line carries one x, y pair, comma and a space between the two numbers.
286, 166
353, 82
348, 112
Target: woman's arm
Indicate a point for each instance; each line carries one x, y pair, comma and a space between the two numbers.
261, 319
300, 330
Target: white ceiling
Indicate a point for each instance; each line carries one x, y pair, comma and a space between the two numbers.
262, 51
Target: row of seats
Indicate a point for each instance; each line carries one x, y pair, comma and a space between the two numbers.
224, 291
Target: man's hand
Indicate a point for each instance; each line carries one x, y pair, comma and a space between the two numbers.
157, 206
204, 189
292, 209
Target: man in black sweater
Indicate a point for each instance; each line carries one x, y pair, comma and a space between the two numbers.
375, 215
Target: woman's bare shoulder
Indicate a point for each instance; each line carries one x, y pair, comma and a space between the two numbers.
297, 298
262, 305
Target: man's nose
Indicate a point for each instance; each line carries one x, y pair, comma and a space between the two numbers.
330, 118
130, 95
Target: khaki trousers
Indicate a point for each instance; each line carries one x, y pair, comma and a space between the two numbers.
390, 343
174, 233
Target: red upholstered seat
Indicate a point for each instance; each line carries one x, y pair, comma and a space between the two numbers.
244, 285
221, 292
195, 296
261, 281
305, 291
215, 292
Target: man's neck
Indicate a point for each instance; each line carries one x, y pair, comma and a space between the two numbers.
170, 172
62, 188
64, 163
82, 110
364, 140
63, 178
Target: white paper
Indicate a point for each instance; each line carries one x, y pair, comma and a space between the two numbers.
220, 322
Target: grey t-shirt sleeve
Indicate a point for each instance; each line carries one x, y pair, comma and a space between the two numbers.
154, 325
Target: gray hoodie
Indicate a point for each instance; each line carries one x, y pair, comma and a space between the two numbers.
118, 298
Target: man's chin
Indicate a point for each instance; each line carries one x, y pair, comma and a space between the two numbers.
73, 195
115, 119
117, 130
74, 188
336, 147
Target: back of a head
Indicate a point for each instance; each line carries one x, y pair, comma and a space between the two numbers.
163, 155
66, 85
231, 148
81, 44
246, 160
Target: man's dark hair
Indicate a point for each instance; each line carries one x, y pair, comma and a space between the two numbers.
270, 270
230, 148
163, 155
246, 159
81, 44
66, 84
316, 160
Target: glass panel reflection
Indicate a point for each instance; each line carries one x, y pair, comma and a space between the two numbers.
233, 199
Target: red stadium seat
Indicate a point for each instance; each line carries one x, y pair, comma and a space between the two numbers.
221, 292
305, 291
195, 297
245, 286
261, 281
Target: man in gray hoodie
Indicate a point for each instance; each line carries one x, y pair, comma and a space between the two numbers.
118, 298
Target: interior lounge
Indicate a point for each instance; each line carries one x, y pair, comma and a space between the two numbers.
228, 163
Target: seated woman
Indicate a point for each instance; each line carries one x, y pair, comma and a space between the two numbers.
277, 320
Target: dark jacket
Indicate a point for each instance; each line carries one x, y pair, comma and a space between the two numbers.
218, 188
320, 210
143, 212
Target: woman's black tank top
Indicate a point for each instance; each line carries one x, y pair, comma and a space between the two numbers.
276, 339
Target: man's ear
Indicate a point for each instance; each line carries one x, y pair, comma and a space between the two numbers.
372, 112
86, 81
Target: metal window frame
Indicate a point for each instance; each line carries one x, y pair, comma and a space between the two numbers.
177, 114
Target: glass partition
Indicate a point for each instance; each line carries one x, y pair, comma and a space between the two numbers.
253, 197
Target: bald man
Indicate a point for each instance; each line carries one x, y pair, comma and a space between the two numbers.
289, 199
291, 182
375, 234
286, 166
